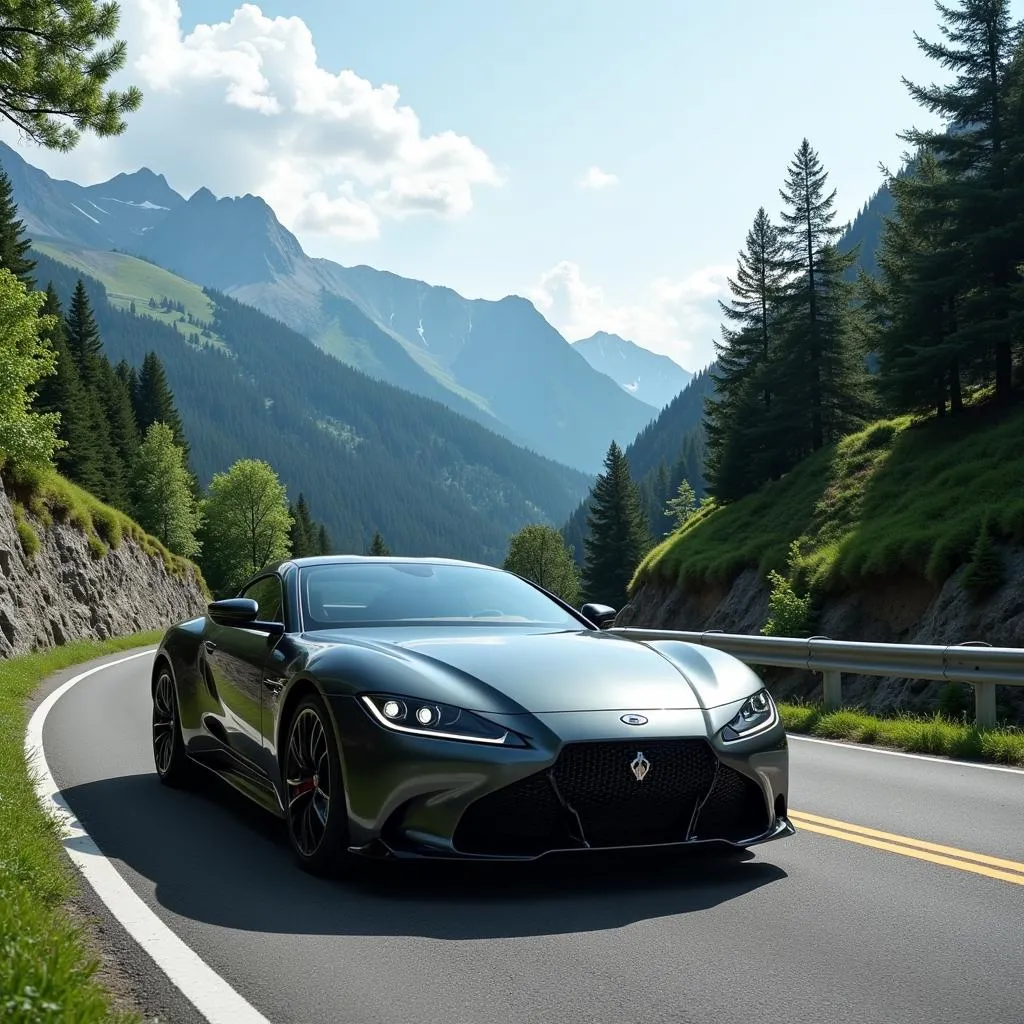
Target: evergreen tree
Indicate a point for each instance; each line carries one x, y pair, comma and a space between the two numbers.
14, 246
972, 198
124, 431
537, 552
27, 438
682, 506
154, 400
742, 402
819, 377
377, 545
63, 393
162, 497
618, 536
324, 545
107, 477
54, 71
304, 538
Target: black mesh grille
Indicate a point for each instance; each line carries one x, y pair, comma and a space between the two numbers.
522, 819
615, 808
600, 794
735, 810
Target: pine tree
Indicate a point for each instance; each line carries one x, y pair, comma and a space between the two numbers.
63, 393
154, 400
377, 545
324, 545
818, 375
14, 246
108, 477
972, 198
304, 539
736, 414
618, 536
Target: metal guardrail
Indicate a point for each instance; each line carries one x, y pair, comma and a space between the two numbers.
982, 666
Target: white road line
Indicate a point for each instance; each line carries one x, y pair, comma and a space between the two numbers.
211, 995
867, 748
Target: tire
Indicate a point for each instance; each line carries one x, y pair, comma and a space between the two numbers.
173, 765
316, 814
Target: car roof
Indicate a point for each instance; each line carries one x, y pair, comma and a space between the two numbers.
343, 559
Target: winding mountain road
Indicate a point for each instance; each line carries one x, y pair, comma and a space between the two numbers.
845, 922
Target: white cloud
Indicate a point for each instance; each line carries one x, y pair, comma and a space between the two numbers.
678, 318
244, 106
595, 178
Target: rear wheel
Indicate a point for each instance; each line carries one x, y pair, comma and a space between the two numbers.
173, 766
315, 793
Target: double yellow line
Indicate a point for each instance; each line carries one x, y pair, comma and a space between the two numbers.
946, 856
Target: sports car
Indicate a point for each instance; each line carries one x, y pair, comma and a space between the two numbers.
432, 708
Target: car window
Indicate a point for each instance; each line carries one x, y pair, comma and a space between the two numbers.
266, 592
382, 593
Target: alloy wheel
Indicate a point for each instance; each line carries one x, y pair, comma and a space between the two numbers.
164, 723
308, 781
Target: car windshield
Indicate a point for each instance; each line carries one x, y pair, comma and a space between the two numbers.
382, 593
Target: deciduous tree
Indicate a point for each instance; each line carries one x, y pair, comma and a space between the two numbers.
162, 497
27, 438
538, 552
246, 524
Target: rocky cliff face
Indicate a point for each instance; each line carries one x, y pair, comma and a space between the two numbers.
894, 610
65, 593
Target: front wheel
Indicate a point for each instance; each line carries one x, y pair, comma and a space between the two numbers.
316, 812
173, 766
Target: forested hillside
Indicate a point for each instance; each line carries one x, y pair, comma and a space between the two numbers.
368, 456
824, 472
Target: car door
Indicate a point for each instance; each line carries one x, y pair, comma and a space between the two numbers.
238, 658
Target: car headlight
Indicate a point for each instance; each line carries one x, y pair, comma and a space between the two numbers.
757, 715
442, 721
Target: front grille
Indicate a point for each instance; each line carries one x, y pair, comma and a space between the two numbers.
592, 789
617, 809
523, 819
735, 810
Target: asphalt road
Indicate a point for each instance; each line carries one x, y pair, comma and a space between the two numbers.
816, 928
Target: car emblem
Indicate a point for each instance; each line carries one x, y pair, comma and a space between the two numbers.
633, 719
640, 765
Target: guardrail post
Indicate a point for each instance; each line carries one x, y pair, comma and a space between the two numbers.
832, 689
985, 705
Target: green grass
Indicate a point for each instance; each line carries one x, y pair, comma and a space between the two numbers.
904, 496
48, 496
919, 734
47, 972
128, 279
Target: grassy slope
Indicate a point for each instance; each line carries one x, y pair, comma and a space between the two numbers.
902, 496
48, 496
128, 280
47, 970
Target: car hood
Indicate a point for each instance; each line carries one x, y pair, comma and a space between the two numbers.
550, 672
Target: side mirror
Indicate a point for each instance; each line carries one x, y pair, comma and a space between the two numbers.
241, 611
601, 615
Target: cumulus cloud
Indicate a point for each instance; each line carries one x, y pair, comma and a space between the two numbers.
243, 105
678, 318
595, 178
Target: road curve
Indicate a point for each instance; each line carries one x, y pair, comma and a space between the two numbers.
820, 927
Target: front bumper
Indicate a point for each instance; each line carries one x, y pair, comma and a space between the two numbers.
570, 790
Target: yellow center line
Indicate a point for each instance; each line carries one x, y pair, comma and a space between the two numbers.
935, 853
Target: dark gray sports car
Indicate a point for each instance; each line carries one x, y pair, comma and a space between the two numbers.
432, 708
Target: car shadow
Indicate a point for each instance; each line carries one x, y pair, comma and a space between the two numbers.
213, 857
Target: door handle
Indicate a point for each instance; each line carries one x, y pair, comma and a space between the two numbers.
210, 646
273, 685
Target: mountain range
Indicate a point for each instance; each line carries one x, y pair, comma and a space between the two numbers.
653, 378
498, 362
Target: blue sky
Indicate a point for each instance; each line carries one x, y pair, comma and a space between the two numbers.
695, 108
